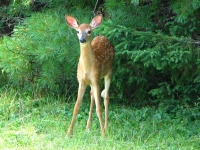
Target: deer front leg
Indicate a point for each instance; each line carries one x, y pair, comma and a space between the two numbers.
81, 91
90, 112
96, 92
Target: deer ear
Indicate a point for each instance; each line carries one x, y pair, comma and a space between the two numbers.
96, 21
71, 22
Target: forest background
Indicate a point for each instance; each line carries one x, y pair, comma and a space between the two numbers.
154, 94
156, 43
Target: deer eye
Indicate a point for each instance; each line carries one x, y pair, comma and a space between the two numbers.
77, 31
89, 32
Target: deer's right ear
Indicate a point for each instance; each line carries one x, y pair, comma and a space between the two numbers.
71, 21
96, 21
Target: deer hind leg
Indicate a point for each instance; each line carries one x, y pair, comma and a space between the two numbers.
90, 112
96, 92
105, 95
81, 91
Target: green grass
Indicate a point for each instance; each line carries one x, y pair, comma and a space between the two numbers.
41, 123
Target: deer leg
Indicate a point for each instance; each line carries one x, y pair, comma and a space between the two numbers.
96, 92
81, 91
105, 95
90, 112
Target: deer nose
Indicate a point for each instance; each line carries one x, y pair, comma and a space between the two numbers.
82, 40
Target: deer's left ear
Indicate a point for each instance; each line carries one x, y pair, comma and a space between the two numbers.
96, 21
71, 21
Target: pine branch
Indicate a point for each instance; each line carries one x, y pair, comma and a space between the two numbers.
95, 7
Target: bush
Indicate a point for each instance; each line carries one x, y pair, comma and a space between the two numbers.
156, 43
41, 54
155, 60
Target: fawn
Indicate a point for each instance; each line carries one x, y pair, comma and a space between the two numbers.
95, 62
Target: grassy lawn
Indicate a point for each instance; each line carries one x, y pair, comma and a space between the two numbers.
41, 123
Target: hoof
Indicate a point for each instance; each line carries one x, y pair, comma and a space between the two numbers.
69, 135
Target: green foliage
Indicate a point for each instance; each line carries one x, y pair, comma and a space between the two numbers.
41, 54
156, 43
185, 9
19, 8
156, 59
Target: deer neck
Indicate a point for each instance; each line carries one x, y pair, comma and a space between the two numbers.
86, 56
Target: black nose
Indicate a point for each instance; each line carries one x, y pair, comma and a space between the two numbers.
82, 40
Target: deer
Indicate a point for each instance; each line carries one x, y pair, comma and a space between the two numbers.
95, 63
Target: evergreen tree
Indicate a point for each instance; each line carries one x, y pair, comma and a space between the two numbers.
156, 43
157, 49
